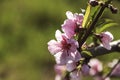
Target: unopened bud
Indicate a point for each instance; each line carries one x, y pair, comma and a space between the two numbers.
93, 3
113, 9
101, 3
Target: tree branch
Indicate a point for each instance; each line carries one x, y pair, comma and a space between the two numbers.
100, 50
92, 25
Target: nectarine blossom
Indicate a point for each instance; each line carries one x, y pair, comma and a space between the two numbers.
75, 75
85, 69
72, 23
63, 49
59, 70
106, 38
96, 66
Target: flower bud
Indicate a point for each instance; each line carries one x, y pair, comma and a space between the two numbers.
106, 38
113, 9
85, 69
101, 3
96, 67
93, 3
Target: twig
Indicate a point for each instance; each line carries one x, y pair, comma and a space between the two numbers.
100, 50
91, 27
108, 75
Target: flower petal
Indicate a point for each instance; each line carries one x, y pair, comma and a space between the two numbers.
106, 45
58, 35
79, 18
69, 27
77, 56
96, 66
54, 47
69, 15
74, 44
70, 65
61, 58
75, 75
85, 69
107, 37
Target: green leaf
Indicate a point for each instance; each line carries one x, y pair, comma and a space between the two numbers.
86, 53
94, 11
79, 66
87, 13
102, 22
107, 26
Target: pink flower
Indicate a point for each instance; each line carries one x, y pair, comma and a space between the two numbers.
59, 71
75, 75
72, 24
85, 69
63, 49
107, 37
70, 66
96, 66
75, 72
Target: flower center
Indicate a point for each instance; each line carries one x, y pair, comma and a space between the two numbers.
66, 46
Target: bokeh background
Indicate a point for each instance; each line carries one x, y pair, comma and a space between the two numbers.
25, 28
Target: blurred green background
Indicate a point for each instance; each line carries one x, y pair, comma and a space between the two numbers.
25, 28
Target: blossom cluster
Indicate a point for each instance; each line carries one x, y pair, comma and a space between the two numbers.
65, 47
